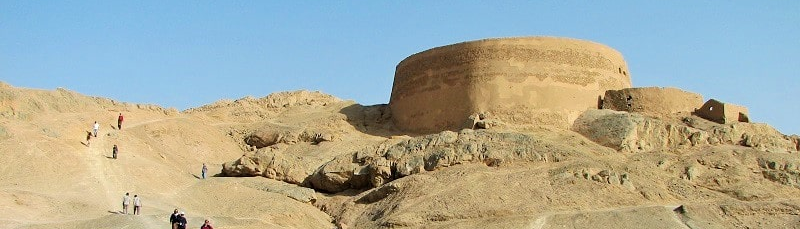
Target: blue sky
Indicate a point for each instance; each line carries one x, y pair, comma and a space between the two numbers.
185, 54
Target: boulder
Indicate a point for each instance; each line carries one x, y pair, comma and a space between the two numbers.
340, 174
629, 132
271, 162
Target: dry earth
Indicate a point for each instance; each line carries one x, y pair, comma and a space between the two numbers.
309, 160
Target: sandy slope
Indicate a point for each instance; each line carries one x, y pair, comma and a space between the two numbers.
52, 179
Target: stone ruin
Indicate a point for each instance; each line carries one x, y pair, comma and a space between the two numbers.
652, 101
529, 81
723, 113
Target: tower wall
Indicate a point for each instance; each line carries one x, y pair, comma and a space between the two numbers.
653, 101
524, 81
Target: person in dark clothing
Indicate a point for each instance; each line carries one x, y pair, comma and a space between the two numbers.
114, 152
119, 121
204, 170
173, 219
180, 222
88, 137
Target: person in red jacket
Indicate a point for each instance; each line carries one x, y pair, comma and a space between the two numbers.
206, 225
119, 121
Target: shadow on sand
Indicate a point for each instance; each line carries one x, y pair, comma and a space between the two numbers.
374, 120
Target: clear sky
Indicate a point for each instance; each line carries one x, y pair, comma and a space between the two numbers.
185, 54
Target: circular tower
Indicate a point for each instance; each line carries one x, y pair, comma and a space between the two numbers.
520, 81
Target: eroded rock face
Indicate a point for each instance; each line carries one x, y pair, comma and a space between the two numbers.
274, 100
376, 166
629, 132
271, 162
782, 169
270, 136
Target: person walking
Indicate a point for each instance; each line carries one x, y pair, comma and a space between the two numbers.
137, 205
173, 219
96, 128
119, 121
126, 200
114, 152
204, 170
180, 221
88, 138
206, 225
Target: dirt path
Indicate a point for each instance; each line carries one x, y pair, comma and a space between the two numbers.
100, 170
541, 222
125, 126
106, 171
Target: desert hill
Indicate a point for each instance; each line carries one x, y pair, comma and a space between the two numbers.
309, 160
52, 179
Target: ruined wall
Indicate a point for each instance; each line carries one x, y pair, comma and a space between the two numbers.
723, 113
526, 80
652, 101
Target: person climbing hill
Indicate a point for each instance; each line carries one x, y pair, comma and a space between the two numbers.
137, 205
204, 170
206, 225
180, 222
114, 152
95, 128
126, 200
119, 121
88, 138
173, 219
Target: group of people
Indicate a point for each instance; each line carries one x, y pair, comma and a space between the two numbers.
96, 128
137, 204
178, 221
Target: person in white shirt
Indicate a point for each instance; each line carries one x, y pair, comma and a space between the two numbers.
137, 205
96, 128
126, 200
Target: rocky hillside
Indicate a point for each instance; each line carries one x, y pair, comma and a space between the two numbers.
310, 160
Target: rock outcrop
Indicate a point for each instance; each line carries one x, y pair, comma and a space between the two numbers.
630, 132
375, 166
270, 136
